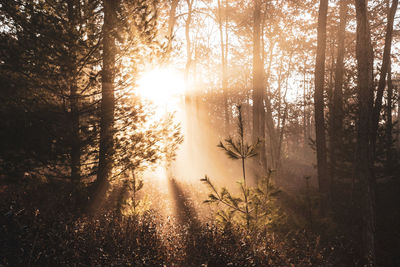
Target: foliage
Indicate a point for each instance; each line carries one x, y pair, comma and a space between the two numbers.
140, 141
129, 202
239, 149
47, 49
41, 227
258, 213
253, 205
43, 59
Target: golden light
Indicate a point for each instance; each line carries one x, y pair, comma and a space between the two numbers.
165, 88
162, 86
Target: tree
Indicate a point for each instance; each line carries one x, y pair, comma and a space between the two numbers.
273, 133
224, 60
364, 154
73, 97
53, 58
129, 142
171, 23
248, 205
389, 123
383, 74
188, 41
336, 116
107, 98
322, 166
258, 85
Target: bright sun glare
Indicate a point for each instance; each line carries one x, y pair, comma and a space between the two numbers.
162, 86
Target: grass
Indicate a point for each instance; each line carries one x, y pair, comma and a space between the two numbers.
43, 225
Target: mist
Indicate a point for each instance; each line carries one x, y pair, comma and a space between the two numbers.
199, 133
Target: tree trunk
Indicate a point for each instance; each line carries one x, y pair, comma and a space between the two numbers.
364, 156
190, 98
224, 60
188, 48
281, 133
269, 122
324, 186
107, 100
398, 115
273, 146
305, 115
336, 120
389, 123
171, 23
382, 78
73, 98
282, 117
258, 85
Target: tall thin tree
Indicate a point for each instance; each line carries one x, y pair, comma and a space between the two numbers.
224, 59
258, 84
107, 97
322, 166
171, 23
389, 123
336, 118
383, 74
364, 154
73, 95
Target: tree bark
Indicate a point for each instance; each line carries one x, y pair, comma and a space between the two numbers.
364, 156
322, 166
190, 98
188, 46
382, 78
171, 22
108, 99
258, 85
397, 86
224, 63
389, 123
305, 115
269, 122
336, 120
73, 98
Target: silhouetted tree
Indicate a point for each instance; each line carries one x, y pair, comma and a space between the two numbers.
107, 96
364, 155
322, 166
336, 116
383, 73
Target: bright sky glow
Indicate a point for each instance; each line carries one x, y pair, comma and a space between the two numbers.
162, 86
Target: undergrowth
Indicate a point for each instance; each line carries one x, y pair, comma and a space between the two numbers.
51, 231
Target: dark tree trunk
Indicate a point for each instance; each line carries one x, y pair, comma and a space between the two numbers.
107, 100
305, 115
324, 186
258, 85
382, 78
389, 123
364, 158
281, 133
73, 97
336, 119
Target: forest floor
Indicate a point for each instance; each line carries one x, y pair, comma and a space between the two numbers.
40, 225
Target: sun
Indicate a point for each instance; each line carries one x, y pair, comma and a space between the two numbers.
162, 86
